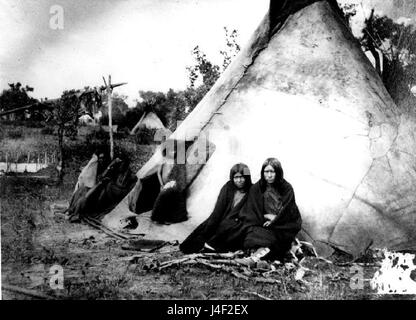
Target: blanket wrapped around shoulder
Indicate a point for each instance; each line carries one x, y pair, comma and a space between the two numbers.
114, 184
222, 229
280, 234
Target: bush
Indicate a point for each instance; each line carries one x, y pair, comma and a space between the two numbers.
15, 133
34, 124
97, 135
47, 131
145, 136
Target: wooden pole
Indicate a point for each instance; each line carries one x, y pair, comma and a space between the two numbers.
110, 118
109, 89
27, 292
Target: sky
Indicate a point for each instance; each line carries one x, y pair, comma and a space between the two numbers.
146, 43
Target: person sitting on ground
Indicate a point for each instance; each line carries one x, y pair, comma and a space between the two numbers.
111, 187
114, 184
87, 180
271, 216
170, 204
223, 231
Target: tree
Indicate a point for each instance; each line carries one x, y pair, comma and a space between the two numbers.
349, 10
398, 45
16, 96
232, 47
173, 106
64, 117
119, 110
207, 71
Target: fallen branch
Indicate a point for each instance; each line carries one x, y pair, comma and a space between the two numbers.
239, 275
325, 260
114, 231
266, 280
228, 255
218, 267
27, 292
224, 261
217, 264
258, 295
108, 231
170, 263
268, 273
136, 256
309, 246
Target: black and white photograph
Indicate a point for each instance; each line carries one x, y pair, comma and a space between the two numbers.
219, 151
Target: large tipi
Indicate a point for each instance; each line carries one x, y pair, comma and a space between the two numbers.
303, 91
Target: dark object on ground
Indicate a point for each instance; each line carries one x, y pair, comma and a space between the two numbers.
144, 245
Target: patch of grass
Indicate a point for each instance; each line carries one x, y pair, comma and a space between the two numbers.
18, 225
15, 134
47, 131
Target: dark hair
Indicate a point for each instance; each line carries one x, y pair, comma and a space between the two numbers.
277, 166
245, 171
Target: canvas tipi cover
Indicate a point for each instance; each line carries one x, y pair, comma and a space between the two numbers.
303, 91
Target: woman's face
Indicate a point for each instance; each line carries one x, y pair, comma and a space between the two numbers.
269, 174
239, 180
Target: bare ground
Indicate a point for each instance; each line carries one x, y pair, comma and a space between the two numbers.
96, 267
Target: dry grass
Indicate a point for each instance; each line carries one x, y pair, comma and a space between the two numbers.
95, 268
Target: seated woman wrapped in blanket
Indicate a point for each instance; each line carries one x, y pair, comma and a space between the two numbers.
223, 230
270, 216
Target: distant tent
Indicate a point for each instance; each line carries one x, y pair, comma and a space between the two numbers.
303, 91
148, 120
86, 119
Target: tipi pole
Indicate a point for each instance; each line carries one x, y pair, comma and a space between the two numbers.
109, 90
110, 117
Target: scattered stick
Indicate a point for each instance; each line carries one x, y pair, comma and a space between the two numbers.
136, 257
170, 263
97, 224
124, 236
216, 267
258, 295
100, 227
239, 275
224, 268
266, 280
268, 273
325, 260
27, 292
228, 255
309, 246
224, 261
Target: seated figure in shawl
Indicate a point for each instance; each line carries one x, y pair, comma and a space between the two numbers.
270, 216
110, 187
87, 180
170, 204
223, 231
